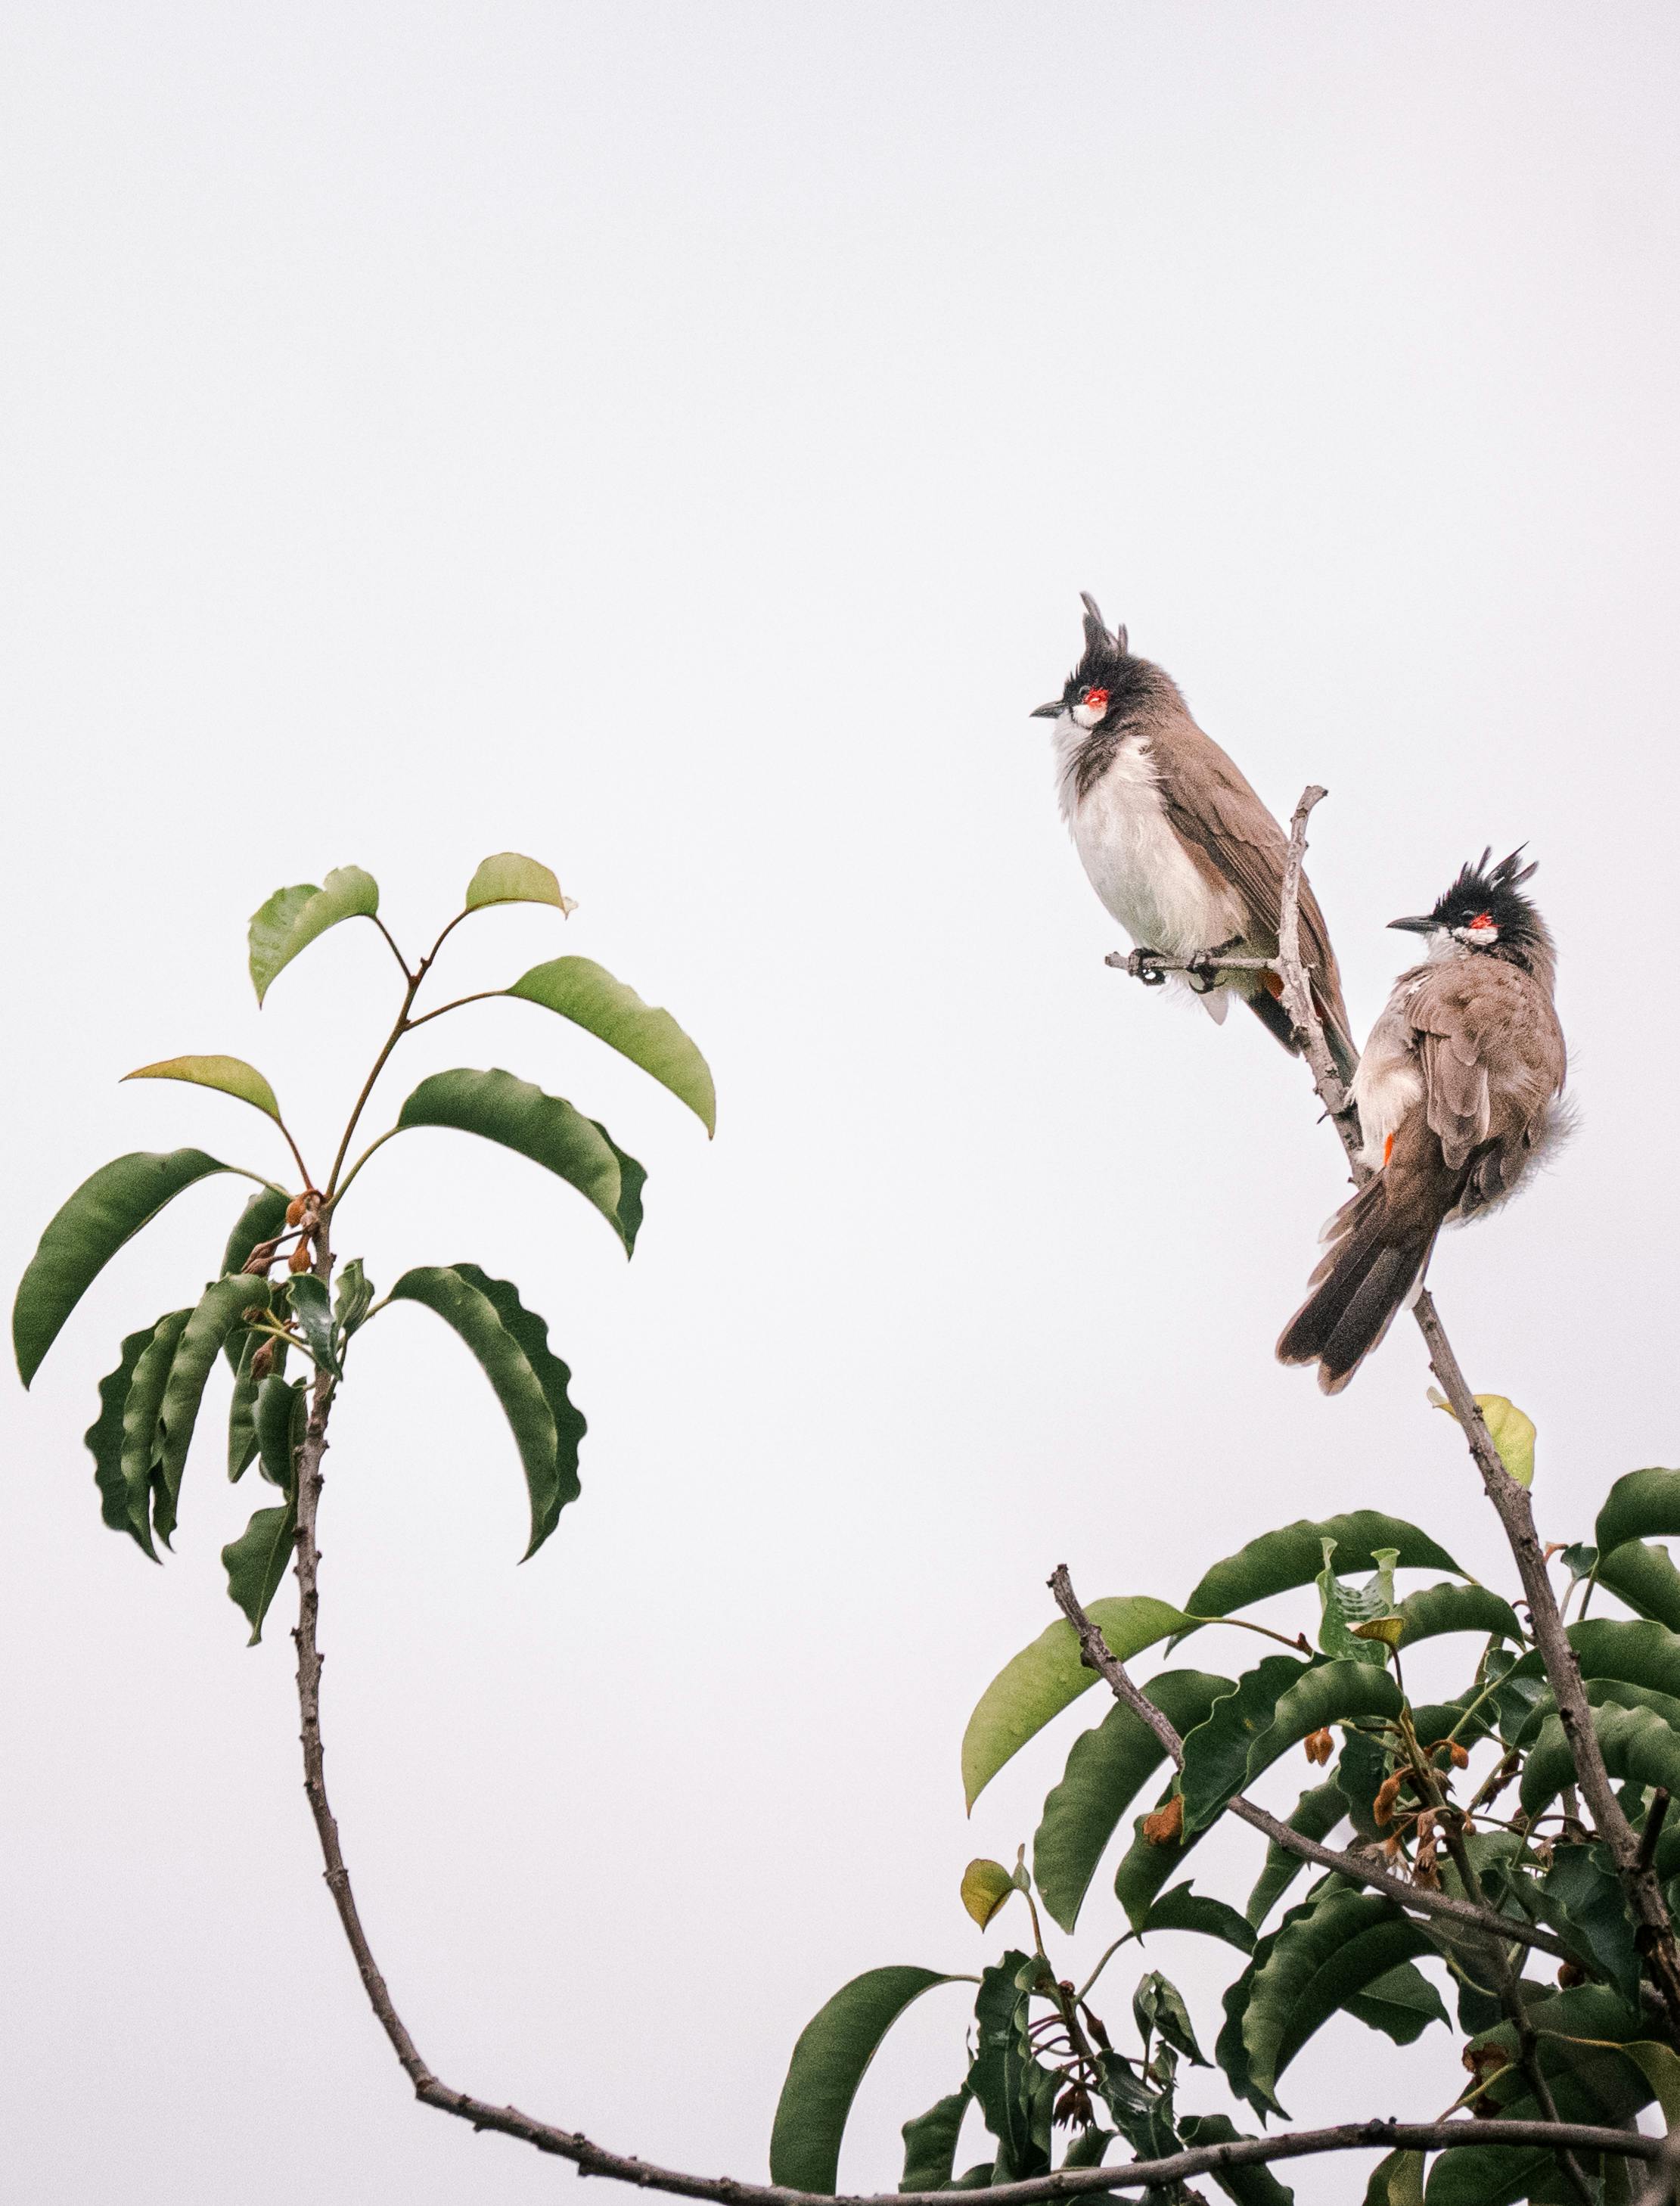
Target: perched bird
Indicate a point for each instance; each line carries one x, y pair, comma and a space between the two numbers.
1458, 1098
1175, 842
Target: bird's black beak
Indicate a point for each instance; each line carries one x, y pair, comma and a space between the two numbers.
1050, 711
1423, 925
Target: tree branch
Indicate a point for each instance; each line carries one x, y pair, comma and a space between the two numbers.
1357, 1868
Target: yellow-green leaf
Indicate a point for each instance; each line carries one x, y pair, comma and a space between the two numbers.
293, 917
509, 879
231, 1075
986, 1886
1509, 1430
588, 994
1389, 1629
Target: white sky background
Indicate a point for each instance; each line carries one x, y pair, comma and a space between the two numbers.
670, 440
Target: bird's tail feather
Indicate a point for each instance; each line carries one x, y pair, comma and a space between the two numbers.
1370, 1273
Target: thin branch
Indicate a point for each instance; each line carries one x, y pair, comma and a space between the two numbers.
343, 1187
1357, 1868
479, 996
401, 960
1665, 2168
1511, 1501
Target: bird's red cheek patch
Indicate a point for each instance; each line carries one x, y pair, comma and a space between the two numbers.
1098, 700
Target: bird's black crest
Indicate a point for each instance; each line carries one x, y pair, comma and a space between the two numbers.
1482, 887
1108, 664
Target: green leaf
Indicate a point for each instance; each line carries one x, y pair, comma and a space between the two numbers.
511, 1343
352, 1299
1184, 1909
1395, 2180
587, 993
1437, 1609
1248, 2186
242, 1407
508, 879
231, 1075
1316, 1815
1158, 2006
1401, 2005
1323, 1954
1294, 1557
1046, 1677
834, 2049
292, 918
1642, 1505
257, 1561
1637, 1745
1275, 1706
1144, 1867
1107, 1768
929, 2142
313, 1312
104, 1443
105, 1211
1343, 1608
1581, 1896
221, 1307
283, 1413
142, 1441
1661, 2067
544, 1128
1088, 2148
1014, 2093
262, 1218
986, 1886
1642, 1574
1510, 1431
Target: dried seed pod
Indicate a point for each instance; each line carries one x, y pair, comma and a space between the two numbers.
295, 1210
1568, 1976
1461, 1754
1165, 1825
1382, 1808
262, 1362
299, 1260
1320, 1745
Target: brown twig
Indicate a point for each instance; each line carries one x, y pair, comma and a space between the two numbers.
1511, 1501
1357, 1868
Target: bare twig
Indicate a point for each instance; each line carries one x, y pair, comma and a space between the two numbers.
1665, 2168
1511, 1501
1481, 1921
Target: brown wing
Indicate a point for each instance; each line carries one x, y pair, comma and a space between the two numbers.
1492, 1058
1211, 806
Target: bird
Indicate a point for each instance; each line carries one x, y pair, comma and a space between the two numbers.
1175, 842
1459, 1098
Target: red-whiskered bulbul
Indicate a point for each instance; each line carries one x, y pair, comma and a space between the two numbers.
1173, 839
1457, 1093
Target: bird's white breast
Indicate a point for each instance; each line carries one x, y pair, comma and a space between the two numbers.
1133, 856
1388, 1082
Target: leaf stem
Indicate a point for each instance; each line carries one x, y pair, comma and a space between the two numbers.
478, 996
332, 1202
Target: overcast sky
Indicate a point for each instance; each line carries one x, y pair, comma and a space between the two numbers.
670, 440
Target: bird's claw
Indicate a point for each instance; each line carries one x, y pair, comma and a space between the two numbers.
1201, 972
1141, 969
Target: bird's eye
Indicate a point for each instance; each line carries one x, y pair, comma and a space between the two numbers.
1084, 696
1097, 699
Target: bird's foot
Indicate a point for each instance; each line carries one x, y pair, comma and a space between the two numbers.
1201, 972
1138, 966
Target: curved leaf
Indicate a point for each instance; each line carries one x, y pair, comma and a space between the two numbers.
511, 1343
1317, 1813
263, 1217
985, 1887
1014, 2090
1445, 1608
1395, 2180
1401, 2005
232, 1075
1643, 1576
1327, 1953
312, 1307
257, 1561
1106, 1769
106, 1210
1185, 1909
929, 2142
1510, 1429
219, 1309
518, 1116
1275, 1706
1046, 1677
138, 1460
103, 1438
1248, 2186
1146, 1865
834, 2049
292, 918
1295, 1556
1637, 1746
509, 879
1642, 1505
587, 993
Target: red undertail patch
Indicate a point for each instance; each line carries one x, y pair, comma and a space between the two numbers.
1388, 1148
